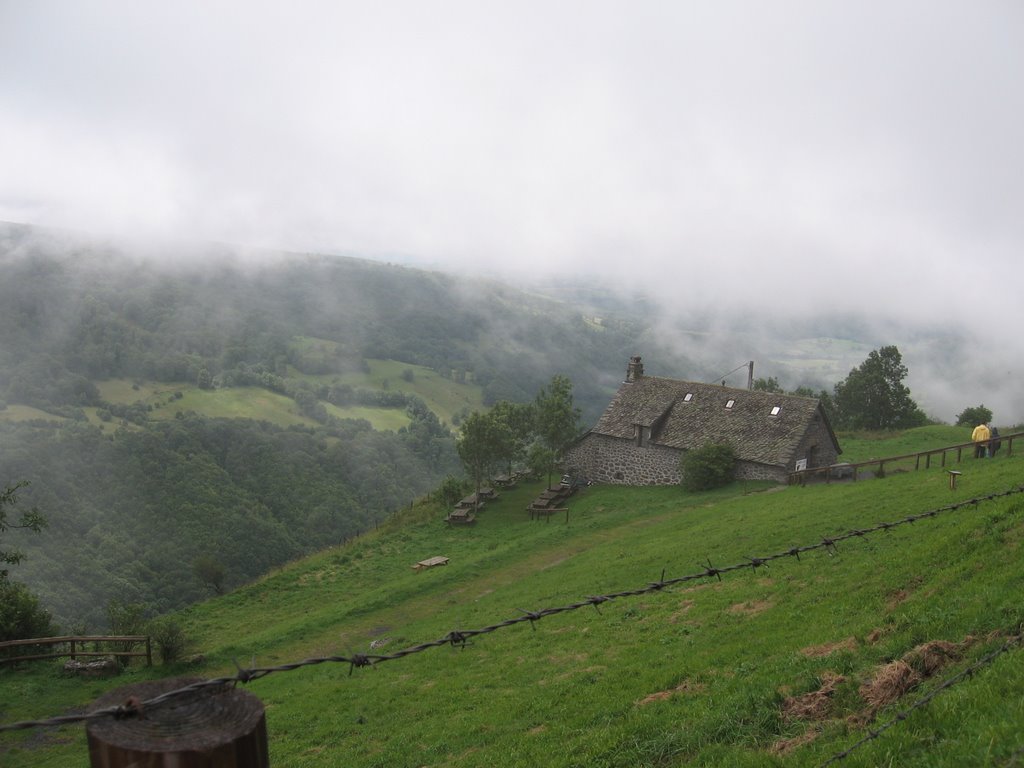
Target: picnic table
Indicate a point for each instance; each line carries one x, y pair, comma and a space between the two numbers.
545, 500
461, 517
430, 562
549, 501
536, 513
474, 499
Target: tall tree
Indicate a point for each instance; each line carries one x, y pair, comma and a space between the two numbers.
771, 384
21, 615
483, 443
30, 520
558, 419
519, 419
873, 396
971, 417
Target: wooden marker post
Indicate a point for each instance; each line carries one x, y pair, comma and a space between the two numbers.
217, 727
953, 477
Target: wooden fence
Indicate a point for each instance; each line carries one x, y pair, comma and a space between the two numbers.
78, 645
877, 466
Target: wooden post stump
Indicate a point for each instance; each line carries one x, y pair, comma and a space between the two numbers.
216, 727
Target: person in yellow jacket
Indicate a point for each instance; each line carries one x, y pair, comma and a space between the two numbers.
980, 437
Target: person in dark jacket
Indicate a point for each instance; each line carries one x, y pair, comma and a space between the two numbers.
995, 444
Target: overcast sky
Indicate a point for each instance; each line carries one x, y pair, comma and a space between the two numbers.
794, 155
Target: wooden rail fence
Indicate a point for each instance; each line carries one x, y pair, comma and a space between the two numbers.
844, 471
78, 645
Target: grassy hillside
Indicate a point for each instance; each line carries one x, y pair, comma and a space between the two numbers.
25, 413
443, 396
865, 446
773, 666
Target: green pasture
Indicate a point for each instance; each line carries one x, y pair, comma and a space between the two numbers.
704, 672
866, 446
130, 391
233, 403
14, 412
381, 418
444, 397
314, 347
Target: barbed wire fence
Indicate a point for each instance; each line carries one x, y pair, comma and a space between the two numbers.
1012, 643
461, 638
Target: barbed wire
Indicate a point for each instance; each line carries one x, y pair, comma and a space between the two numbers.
872, 734
460, 638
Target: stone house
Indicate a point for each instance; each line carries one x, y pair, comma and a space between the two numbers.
650, 422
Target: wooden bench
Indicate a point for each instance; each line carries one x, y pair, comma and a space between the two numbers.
536, 513
430, 562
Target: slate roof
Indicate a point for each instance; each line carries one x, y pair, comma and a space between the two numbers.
748, 426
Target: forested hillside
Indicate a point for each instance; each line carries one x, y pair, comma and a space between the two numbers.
72, 313
103, 349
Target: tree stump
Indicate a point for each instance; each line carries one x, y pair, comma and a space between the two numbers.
216, 727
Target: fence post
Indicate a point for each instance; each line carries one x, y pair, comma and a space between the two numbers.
149, 651
213, 727
73, 657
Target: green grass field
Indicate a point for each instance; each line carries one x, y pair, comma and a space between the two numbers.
773, 666
865, 446
26, 413
443, 396
234, 402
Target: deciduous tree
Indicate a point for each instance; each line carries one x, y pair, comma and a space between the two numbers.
557, 418
21, 615
31, 520
972, 417
483, 443
518, 419
210, 571
873, 396
771, 384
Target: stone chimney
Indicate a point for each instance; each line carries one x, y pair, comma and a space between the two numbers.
635, 370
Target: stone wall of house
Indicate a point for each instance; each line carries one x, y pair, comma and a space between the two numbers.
751, 470
826, 454
603, 459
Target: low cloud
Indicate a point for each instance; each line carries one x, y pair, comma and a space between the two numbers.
727, 161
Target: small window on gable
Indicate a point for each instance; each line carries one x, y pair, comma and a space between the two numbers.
776, 409
730, 404
688, 397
